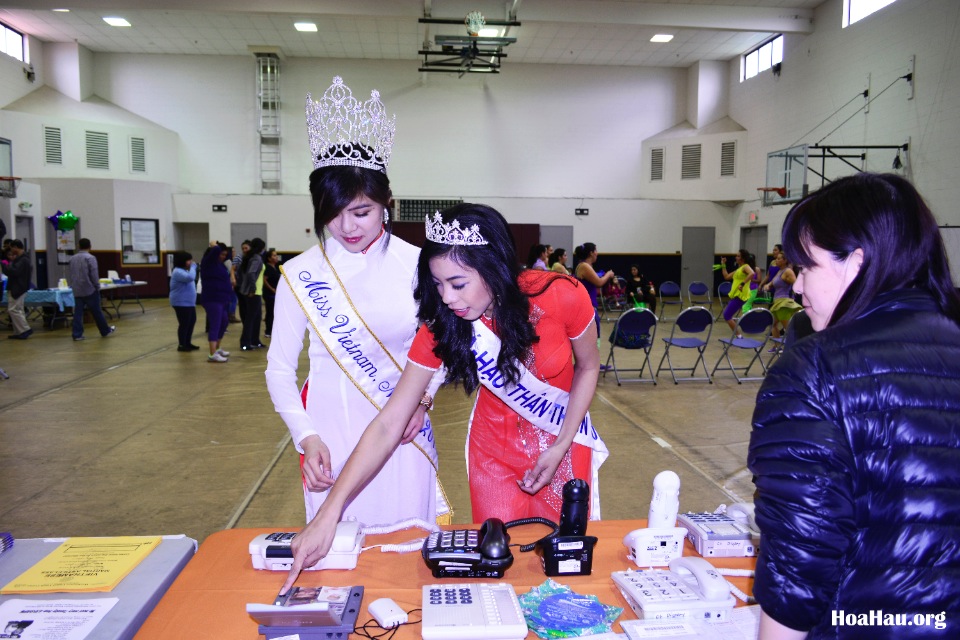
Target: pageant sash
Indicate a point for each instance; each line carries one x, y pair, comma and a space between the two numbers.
356, 349
537, 402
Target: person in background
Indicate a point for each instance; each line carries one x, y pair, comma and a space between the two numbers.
18, 270
784, 306
367, 277
772, 268
740, 292
492, 326
855, 448
586, 256
639, 290
183, 298
217, 293
236, 304
250, 290
558, 262
85, 282
271, 278
537, 258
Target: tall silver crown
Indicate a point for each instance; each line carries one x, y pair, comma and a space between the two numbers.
346, 132
442, 233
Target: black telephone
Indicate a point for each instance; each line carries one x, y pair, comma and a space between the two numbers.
469, 553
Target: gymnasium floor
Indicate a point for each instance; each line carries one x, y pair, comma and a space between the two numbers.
124, 435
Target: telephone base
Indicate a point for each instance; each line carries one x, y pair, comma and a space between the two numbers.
348, 623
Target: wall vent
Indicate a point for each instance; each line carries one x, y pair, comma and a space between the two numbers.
52, 147
690, 162
728, 159
98, 151
656, 164
138, 155
418, 210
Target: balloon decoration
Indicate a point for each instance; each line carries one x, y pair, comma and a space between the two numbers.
68, 221
63, 221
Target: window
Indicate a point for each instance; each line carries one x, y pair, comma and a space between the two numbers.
856, 10
762, 58
13, 43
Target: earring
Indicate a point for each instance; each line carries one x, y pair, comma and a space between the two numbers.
386, 215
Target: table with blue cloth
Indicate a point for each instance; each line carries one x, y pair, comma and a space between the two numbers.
56, 300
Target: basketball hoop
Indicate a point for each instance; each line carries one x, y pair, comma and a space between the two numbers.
8, 186
763, 191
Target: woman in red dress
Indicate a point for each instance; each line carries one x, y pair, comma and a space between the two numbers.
528, 339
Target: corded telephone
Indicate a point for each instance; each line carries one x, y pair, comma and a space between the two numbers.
729, 532
272, 550
469, 553
481, 610
692, 588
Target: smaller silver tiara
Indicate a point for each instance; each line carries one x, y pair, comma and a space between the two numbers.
346, 132
441, 233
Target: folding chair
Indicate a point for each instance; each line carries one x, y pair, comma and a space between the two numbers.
698, 294
777, 349
693, 321
635, 329
669, 294
754, 326
723, 291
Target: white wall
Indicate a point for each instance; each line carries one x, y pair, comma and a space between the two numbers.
539, 140
823, 71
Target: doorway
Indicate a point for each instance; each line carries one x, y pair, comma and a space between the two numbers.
754, 240
696, 256
240, 231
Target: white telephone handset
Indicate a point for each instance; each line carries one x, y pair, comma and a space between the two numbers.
743, 512
691, 589
707, 581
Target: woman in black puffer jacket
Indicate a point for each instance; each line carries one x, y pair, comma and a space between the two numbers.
855, 447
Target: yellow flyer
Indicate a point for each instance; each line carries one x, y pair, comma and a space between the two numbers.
84, 564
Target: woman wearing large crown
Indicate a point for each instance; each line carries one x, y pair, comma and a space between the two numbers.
353, 292
528, 339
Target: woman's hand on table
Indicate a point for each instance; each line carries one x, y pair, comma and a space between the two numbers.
316, 464
541, 474
310, 546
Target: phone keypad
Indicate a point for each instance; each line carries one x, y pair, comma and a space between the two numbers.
466, 539
655, 585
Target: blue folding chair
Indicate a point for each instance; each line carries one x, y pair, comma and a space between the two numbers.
753, 327
698, 294
723, 291
669, 295
635, 329
694, 322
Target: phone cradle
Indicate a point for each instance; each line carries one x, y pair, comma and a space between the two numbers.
566, 555
655, 547
342, 631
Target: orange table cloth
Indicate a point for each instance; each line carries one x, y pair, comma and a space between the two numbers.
209, 597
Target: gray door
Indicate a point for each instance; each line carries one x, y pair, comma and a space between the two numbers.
696, 262
240, 231
558, 237
754, 240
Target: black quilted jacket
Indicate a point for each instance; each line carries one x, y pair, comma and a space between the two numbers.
856, 456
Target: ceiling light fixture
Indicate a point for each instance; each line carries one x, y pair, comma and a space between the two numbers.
489, 32
305, 26
61, 10
661, 37
116, 22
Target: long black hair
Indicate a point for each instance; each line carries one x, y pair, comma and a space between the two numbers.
180, 259
256, 248
885, 217
496, 264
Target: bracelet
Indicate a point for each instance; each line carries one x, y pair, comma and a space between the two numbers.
426, 401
